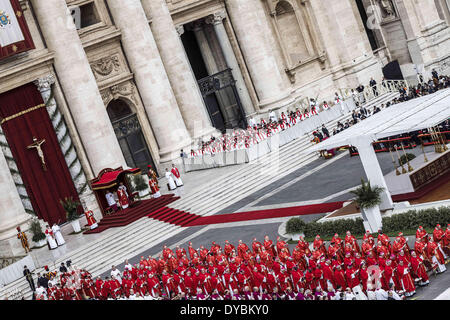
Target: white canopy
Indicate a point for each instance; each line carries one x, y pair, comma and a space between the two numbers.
416, 114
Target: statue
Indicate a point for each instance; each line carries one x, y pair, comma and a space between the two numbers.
37, 145
387, 8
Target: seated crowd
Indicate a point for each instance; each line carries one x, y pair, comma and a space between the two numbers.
376, 269
420, 90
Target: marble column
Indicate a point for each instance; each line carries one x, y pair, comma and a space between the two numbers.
254, 35
217, 21
209, 59
372, 168
184, 84
151, 78
428, 35
79, 85
12, 212
68, 149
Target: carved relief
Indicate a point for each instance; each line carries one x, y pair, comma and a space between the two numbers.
106, 66
126, 89
387, 9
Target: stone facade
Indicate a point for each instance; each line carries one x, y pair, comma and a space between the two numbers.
151, 55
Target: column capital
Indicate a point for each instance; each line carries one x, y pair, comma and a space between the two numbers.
44, 84
216, 17
180, 29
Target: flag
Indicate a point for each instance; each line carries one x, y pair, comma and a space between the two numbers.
10, 31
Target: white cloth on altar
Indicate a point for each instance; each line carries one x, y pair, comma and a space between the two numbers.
58, 235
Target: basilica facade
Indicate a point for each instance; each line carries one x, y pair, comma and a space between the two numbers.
109, 83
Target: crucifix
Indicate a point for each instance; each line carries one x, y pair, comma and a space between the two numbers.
37, 145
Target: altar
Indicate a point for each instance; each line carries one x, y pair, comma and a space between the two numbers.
423, 174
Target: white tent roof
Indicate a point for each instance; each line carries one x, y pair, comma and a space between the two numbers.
416, 114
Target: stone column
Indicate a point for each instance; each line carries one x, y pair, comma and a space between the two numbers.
254, 35
217, 21
428, 35
373, 170
184, 84
77, 173
151, 78
79, 85
12, 212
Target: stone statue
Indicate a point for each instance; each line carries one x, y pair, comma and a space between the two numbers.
387, 8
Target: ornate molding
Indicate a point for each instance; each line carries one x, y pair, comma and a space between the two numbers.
44, 84
180, 29
216, 17
106, 65
126, 89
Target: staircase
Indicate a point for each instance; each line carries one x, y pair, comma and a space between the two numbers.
115, 245
222, 192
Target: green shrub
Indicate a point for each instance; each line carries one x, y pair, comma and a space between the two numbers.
36, 230
366, 196
405, 158
70, 206
412, 219
328, 228
409, 220
140, 183
295, 225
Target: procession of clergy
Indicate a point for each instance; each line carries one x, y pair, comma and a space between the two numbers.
375, 270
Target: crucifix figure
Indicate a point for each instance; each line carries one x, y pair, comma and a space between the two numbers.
37, 145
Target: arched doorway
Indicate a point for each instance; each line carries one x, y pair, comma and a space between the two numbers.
129, 134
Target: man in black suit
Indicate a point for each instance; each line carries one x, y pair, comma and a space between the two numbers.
62, 268
28, 275
42, 281
325, 131
373, 84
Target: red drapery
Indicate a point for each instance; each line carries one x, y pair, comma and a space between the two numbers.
45, 188
20, 46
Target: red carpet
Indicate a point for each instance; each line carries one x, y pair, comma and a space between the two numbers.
127, 216
185, 219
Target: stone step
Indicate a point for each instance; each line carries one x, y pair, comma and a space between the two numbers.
252, 184
241, 172
242, 180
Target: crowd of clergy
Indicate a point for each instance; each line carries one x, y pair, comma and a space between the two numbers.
344, 269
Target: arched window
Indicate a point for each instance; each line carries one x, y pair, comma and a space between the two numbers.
129, 134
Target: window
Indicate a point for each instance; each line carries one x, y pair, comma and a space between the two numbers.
85, 15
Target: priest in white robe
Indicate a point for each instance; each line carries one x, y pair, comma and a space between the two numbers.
50, 238
170, 181
58, 235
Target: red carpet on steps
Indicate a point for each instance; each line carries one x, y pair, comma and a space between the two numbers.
185, 219
127, 216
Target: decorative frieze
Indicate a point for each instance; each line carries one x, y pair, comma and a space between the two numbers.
125, 89
106, 66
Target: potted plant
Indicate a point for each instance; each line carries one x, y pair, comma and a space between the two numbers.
71, 206
368, 199
39, 237
140, 185
295, 227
